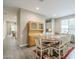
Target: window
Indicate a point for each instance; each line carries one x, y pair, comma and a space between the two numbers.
64, 26
13, 27
71, 26
68, 26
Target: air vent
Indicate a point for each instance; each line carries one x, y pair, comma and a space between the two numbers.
41, 0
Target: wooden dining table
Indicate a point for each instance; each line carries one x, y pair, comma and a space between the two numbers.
56, 44
52, 40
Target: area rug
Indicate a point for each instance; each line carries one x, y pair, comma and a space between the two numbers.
65, 56
69, 51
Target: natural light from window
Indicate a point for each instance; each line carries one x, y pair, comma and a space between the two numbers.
68, 26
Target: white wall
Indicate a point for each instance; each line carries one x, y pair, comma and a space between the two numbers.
21, 16
57, 25
26, 16
4, 29
53, 26
9, 16
58, 22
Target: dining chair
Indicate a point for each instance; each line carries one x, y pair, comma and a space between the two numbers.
40, 46
62, 46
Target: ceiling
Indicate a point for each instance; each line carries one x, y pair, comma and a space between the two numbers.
50, 8
10, 14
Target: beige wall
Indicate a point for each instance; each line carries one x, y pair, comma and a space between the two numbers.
58, 22
4, 29
26, 16
21, 16
18, 27
57, 25
53, 26
9, 16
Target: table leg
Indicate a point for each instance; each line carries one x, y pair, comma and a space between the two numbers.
41, 54
59, 54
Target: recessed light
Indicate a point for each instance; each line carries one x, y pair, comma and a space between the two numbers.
37, 8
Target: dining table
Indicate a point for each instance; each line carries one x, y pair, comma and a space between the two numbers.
55, 43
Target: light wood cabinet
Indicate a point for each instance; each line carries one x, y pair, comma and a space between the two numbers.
34, 28
31, 41
40, 26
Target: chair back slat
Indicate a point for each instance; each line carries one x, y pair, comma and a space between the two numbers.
38, 41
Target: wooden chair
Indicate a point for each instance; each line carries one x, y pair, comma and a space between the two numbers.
62, 46
40, 47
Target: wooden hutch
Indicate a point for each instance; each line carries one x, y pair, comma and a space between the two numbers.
33, 29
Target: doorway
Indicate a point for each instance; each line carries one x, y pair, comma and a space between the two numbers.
11, 29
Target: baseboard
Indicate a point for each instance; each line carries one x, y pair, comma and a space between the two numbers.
23, 45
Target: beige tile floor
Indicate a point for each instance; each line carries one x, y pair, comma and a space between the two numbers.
12, 51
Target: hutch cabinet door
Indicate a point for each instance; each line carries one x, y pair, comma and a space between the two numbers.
33, 26
40, 26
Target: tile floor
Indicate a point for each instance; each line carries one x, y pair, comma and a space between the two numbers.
12, 51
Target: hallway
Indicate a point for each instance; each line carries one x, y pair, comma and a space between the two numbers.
12, 51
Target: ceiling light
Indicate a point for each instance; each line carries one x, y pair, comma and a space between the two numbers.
37, 8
